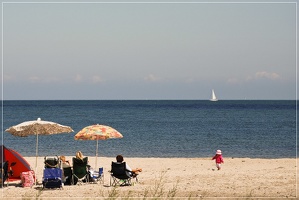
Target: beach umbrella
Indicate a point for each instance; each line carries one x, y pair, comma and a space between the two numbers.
38, 127
97, 132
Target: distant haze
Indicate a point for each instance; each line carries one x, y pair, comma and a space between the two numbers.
242, 50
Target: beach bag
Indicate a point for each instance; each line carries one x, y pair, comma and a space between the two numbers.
27, 178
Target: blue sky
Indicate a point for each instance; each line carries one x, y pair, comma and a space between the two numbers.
149, 50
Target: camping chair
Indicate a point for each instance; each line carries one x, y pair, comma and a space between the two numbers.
68, 175
52, 175
120, 175
52, 178
52, 162
4, 172
80, 173
97, 176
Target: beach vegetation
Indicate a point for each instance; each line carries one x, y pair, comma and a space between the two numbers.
128, 195
173, 191
158, 189
113, 193
250, 193
146, 193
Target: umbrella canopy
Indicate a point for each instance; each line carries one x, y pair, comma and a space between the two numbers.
97, 132
38, 127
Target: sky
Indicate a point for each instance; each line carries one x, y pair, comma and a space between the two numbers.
144, 51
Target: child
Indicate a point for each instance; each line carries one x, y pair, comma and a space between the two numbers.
218, 158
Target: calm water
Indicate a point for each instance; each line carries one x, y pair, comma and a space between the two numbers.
257, 129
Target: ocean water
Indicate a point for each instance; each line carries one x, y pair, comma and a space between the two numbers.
161, 128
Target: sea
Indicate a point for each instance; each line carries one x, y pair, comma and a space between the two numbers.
160, 128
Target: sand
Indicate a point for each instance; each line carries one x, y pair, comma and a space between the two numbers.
180, 178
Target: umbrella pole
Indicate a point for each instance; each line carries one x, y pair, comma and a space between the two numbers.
96, 155
36, 154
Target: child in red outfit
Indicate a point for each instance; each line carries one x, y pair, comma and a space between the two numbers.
218, 158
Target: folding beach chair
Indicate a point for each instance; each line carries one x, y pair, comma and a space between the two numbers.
97, 176
80, 170
52, 174
68, 176
120, 175
52, 178
52, 162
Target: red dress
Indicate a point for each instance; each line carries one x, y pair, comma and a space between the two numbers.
219, 158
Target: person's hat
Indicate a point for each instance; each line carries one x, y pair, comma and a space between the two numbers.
218, 152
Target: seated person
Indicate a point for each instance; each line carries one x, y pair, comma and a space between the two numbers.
89, 169
79, 155
135, 172
64, 163
66, 171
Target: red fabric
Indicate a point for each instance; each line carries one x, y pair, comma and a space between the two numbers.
21, 165
218, 158
27, 178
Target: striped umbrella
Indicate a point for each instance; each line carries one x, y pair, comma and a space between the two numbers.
97, 132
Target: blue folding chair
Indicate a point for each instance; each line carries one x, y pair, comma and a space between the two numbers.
98, 176
52, 178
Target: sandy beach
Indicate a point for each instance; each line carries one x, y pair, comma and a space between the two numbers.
180, 178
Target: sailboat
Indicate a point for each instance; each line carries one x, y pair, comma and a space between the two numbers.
214, 98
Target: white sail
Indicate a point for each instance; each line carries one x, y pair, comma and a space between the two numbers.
214, 98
